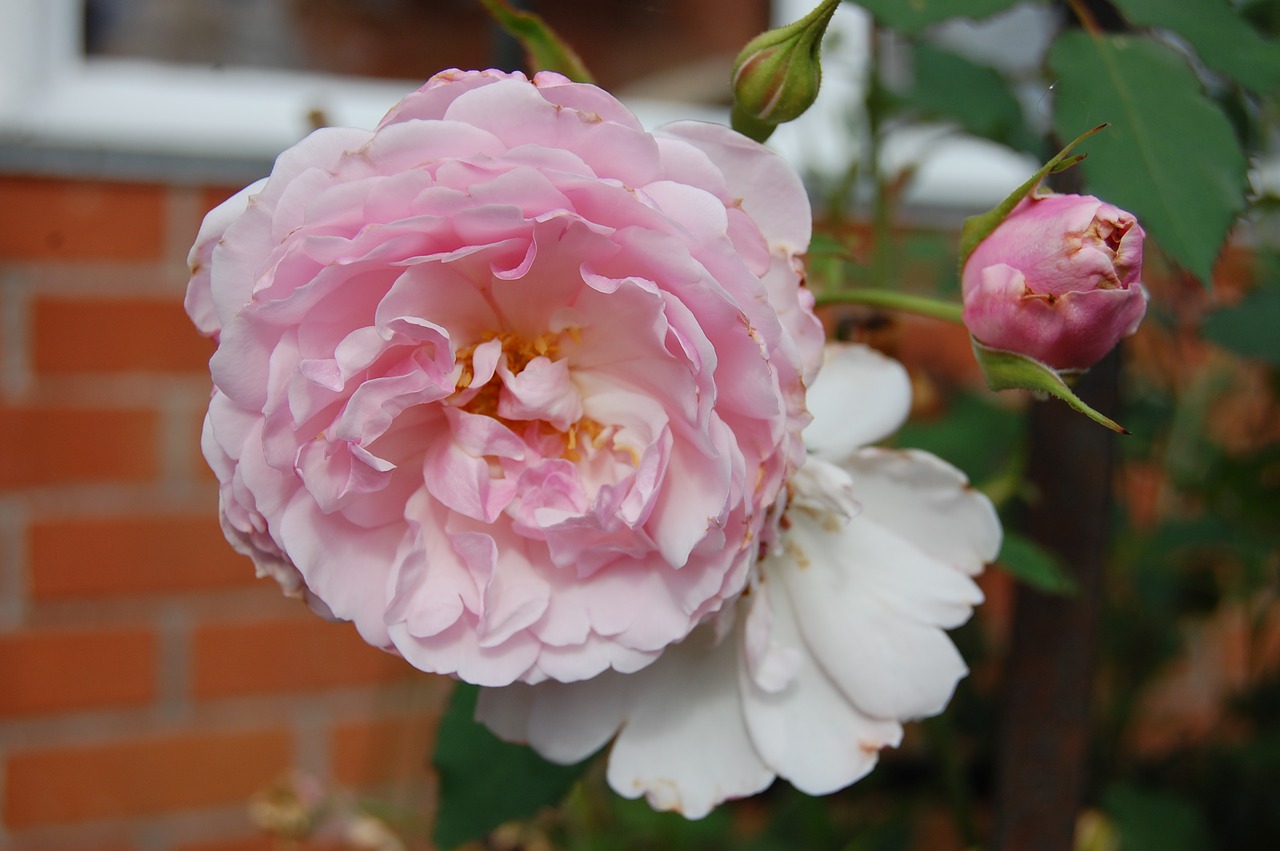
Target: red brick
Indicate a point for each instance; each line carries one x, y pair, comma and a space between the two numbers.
264, 842
64, 671
374, 753
117, 335
118, 556
280, 656
141, 776
54, 445
48, 218
261, 842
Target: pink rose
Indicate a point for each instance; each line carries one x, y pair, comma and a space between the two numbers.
509, 382
1059, 280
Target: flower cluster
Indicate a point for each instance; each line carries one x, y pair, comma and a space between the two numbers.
525, 392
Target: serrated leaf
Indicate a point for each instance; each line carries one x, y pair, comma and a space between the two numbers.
1169, 157
544, 49
485, 781
1250, 327
1028, 562
952, 87
1223, 40
915, 15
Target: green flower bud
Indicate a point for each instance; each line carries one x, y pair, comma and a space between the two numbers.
777, 75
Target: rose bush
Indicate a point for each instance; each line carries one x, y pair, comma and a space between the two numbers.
840, 639
510, 383
1059, 280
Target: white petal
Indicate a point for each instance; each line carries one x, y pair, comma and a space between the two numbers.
809, 732
871, 606
685, 745
860, 396
928, 502
823, 490
564, 722
505, 711
768, 663
683, 742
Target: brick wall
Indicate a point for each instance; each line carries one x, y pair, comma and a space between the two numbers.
149, 685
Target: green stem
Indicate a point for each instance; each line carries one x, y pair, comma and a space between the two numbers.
882, 255
947, 311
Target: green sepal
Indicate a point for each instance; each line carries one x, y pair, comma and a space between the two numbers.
748, 125
979, 227
1005, 370
544, 49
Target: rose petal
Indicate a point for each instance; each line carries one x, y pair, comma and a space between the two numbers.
924, 500
860, 397
564, 722
684, 745
874, 606
809, 732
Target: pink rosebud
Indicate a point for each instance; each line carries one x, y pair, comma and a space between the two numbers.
1058, 281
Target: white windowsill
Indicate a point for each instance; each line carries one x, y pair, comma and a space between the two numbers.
61, 113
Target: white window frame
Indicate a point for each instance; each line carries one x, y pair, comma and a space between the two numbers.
52, 95
65, 113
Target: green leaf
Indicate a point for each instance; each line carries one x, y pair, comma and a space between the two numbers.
1005, 370
1156, 821
1027, 561
544, 48
978, 98
1250, 327
1224, 41
485, 781
911, 16
1169, 156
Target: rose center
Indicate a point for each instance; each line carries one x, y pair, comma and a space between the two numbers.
1111, 234
516, 354
531, 391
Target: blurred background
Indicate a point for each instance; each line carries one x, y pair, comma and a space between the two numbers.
631, 44
154, 696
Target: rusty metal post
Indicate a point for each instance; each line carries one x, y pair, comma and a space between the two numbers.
1043, 756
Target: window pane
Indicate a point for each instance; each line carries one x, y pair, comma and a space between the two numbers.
622, 41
